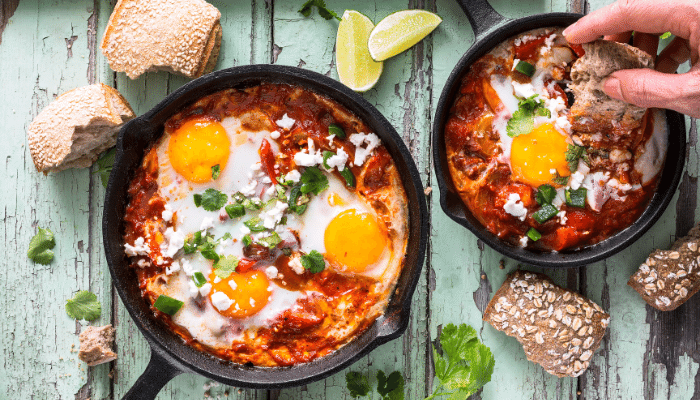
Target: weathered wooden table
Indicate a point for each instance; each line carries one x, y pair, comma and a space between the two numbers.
49, 47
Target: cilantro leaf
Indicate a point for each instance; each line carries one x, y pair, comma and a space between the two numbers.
210, 200
104, 165
523, 120
271, 241
225, 266
313, 181
357, 384
573, 154
323, 11
313, 261
40, 245
465, 365
84, 305
215, 171
390, 388
560, 180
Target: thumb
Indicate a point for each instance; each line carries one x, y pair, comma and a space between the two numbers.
648, 88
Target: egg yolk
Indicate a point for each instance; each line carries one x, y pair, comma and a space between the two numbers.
249, 292
355, 240
196, 146
533, 156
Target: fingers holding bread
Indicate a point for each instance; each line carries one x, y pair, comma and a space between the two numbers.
80, 124
182, 37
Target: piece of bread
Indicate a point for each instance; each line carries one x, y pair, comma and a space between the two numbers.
182, 37
559, 329
96, 345
670, 277
75, 128
602, 58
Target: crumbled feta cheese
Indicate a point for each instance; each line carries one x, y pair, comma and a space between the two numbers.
515, 207
562, 123
560, 198
175, 241
221, 301
217, 279
275, 134
524, 90
251, 301
187, 267
523, 241
244, 230
194, 290
139, 248
562, 217
576, 180
205, 289
309, 157
167, 213
515, 63
272, 217
295, 265
293, 175
174, 267
271, 272
338, 160
256, 166
266, 180
207, 223
143, 263
285, 122
249, 189
329, 138
233, 284
358, 139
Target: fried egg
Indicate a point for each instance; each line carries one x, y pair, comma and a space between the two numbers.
539, 156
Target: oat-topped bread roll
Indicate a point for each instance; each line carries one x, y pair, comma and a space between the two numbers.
182, 37
75, 128
669, 277
559, 329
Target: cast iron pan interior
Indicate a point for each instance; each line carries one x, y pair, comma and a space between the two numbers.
170, 356
490, 29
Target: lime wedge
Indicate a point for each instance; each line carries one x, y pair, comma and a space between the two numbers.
355, 66
399, 31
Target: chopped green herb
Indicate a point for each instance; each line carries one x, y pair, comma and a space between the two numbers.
391, 387
225, 266
238, 197
226, 236
665, 35
326, 156
283, 220
334, 129
297, 201
357, 384
235, 210
247, 240
192, 243
215, 172
287, 251
255, 224
84, 305
576, 198
281, 193
525, 67
167, 304
210, 200
199, 279
465, 364
271, 241
523, 120
573, 154
323, 11
104, 165
348, 176
252, 205
534, 235
545, 213
313, 261
40, 247
560, 180
313, 181
208, 249
545, 194
543, 112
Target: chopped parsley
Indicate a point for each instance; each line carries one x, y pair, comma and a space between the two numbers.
225, 266
323, 11
167, 304
523, 120
238, 197
313, 181
313, 262
210, 200
84, 305
40, 247
573, 154
271, 241
560, 180
215, 172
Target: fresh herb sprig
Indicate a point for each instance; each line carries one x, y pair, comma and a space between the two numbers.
84, 305
323, 11
389, 387
40, 247
523, 120
575, 153
104, 165
313, 262
210, 200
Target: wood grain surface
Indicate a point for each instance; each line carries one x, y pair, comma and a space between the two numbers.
50, 46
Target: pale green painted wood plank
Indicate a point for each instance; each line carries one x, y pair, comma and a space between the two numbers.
37, 335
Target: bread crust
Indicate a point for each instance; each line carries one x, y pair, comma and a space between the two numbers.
181, 37
96, 345
75, 128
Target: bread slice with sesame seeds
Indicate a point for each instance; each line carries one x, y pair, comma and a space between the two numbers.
76, 127
182, 37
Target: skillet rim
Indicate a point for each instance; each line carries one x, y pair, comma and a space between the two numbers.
183, 358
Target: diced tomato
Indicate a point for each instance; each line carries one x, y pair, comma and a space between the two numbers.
564, 237
528, 50
579, 220
245, 265
524, 191
267, 160
578, 49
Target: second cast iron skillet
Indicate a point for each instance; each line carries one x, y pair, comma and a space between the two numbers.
491, 29
170, 356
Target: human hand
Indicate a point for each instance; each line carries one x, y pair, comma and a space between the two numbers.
648, 18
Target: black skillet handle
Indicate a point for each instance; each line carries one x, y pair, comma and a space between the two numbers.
158, 372
481, 15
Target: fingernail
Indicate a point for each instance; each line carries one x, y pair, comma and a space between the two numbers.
612, 87
567, 31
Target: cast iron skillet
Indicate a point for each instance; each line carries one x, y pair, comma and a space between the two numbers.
170, 356
490, 29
